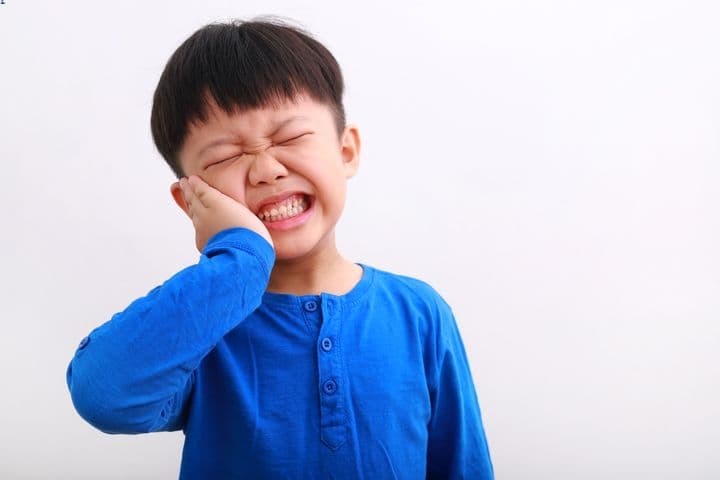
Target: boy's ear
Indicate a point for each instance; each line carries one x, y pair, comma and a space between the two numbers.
177, 195
350, 149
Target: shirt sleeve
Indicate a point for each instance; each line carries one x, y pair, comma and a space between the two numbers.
457, 446
134, 373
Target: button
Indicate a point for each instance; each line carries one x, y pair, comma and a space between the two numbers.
326, 344
311, 306
84, 342
330, 387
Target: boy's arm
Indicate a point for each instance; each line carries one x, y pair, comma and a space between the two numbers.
457, 447
134, 373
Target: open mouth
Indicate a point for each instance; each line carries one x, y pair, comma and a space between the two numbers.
289, 208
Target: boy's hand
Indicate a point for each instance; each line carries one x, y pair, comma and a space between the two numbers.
212, 211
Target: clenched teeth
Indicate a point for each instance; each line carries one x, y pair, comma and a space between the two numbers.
289, 208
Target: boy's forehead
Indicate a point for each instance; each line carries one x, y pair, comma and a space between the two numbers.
274, 111
261, 120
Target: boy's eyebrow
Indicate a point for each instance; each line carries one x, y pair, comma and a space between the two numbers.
224, 140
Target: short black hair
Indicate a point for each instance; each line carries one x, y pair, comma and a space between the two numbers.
241, 65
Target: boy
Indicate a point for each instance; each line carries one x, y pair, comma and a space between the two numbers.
276, 356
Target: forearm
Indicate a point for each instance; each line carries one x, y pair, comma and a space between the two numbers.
125, 377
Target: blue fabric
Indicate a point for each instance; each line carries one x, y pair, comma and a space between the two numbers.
373, 384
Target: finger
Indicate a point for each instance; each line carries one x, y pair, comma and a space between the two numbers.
201, 190
194, 207
186, 192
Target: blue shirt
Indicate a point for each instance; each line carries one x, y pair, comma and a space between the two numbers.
373, 384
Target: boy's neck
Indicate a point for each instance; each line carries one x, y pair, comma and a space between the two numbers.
322, 271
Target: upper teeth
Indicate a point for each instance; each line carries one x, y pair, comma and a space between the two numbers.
287, 208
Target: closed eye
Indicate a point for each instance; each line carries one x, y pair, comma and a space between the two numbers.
294, 138
221, 161
283, 143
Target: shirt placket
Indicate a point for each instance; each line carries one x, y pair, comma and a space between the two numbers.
332, 391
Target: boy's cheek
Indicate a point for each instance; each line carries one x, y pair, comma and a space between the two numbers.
227, 185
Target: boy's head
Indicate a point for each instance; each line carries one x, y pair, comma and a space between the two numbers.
255, 109
240, 65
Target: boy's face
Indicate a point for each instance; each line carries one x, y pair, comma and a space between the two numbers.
264, 155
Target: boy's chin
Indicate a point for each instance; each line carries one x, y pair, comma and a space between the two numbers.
289, 254
294, 249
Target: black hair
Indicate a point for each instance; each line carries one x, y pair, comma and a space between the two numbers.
240, 65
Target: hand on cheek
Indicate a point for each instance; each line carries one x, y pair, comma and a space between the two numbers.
212, 211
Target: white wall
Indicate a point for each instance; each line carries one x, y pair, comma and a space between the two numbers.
550, 167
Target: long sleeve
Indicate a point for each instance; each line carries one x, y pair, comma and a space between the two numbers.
457, 446
134, 373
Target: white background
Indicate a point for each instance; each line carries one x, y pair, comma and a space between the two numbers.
552, 168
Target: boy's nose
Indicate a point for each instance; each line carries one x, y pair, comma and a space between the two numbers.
265, 169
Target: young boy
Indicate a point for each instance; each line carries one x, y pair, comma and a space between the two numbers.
276, 356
